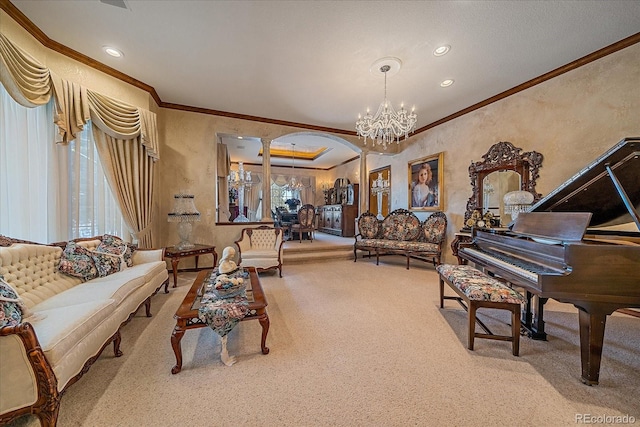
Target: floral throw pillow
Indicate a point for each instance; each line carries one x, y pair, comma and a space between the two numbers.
106, 263
77, 261
115, 245
128, 255
10, 313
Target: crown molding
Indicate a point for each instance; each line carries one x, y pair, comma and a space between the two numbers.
254, 118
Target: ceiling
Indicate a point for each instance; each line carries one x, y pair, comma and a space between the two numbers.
308, 62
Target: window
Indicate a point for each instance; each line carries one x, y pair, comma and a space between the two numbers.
280, 194
50, 192
93, 207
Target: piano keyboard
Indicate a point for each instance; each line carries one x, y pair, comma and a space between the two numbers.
495, 260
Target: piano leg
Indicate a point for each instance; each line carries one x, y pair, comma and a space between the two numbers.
527, 315
591, 339
533, 317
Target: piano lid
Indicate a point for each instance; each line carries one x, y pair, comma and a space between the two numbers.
593, 190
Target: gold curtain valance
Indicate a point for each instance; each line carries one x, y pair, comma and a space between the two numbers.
27, 81
31, 84
123, 121
73, 109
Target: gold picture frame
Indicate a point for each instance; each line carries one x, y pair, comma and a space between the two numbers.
427, 195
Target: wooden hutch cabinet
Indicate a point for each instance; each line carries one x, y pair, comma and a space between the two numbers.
340, 218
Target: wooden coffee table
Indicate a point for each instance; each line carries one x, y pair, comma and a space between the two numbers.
187, 314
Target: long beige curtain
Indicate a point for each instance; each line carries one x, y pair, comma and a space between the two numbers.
224, 165
130, 170
252, 197
126, 136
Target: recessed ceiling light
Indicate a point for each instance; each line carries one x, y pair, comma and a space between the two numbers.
442, 50
446, 83
116, 53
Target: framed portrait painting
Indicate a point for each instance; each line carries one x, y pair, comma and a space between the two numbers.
425, 183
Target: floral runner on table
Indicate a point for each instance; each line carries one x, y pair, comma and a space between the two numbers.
224, 300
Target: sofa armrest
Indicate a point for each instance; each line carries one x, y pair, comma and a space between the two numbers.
141, 256
28, 384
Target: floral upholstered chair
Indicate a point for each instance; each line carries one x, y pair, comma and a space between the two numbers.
434, 231
306, 222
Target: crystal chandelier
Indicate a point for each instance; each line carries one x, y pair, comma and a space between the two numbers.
387, 125
294, 183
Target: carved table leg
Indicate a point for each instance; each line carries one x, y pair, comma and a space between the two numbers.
264, 322
174, 265
176, 336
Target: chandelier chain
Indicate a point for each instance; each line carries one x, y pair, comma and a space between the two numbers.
294, 183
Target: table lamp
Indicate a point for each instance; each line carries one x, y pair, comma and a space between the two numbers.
184, 213
516, 202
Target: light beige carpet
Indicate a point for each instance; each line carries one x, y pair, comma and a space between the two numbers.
354, 344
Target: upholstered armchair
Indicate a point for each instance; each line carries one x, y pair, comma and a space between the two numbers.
261, 247
306, 222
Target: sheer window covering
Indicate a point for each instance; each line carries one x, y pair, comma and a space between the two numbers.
93, 209
30, 207
50, 192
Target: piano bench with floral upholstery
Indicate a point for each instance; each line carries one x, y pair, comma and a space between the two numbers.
401, 233
478, 290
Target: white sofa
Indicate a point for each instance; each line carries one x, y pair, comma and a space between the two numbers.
261, 247
74, 321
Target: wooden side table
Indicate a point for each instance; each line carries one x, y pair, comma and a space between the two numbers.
176, 254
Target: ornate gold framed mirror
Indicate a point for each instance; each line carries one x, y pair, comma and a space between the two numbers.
504, 168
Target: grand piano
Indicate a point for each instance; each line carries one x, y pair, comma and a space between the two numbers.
572, 247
